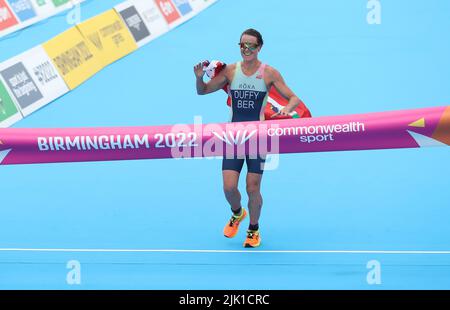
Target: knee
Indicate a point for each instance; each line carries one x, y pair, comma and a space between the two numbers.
230, 189
253, 189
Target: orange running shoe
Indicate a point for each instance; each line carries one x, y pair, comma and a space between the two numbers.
253, 239
232, 227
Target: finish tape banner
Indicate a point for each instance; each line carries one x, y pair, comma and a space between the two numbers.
385, 130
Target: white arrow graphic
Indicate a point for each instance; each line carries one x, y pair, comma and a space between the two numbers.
3, 154
425, 141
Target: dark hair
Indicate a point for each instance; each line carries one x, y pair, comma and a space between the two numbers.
254, 33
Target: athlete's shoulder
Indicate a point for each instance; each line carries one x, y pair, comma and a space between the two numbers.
271, 72
232, 66
229, 70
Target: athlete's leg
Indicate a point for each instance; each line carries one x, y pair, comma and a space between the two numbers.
231, 169
255, 200
254, 176
230, 188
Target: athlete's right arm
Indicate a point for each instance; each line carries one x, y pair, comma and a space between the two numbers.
215, 84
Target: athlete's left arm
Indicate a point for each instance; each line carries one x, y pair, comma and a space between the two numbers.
277, 81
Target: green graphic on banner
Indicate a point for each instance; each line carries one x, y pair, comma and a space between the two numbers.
60, 2
7, 106
40, 2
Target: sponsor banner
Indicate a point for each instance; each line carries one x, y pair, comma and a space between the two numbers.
71, 54
198, 5
152, 17
109, 36
46, 8
169, 12
9, 114
385, 130
21, 85
43, 8
7, 18
23, 9
23, 13
44, 73
32, 80
135, 24
59, 3
144, 20
185, 10
183, 6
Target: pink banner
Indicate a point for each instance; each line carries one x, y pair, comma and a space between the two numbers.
385, 130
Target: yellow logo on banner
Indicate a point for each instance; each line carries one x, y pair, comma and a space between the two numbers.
109, 36
418, 123
75, 59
